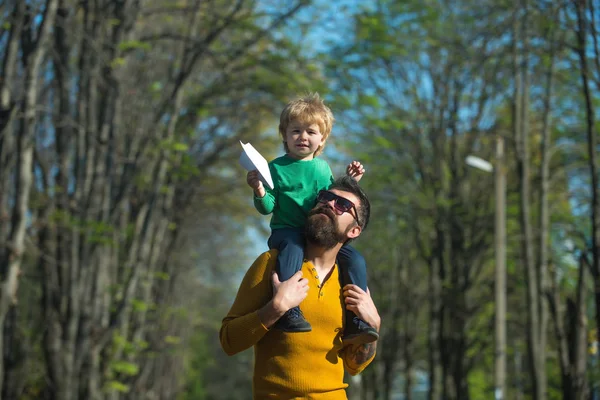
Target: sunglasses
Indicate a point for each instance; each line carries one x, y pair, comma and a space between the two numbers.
341, 204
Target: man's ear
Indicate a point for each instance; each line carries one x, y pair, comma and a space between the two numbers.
354, 232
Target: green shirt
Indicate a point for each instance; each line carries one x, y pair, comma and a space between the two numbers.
296, 184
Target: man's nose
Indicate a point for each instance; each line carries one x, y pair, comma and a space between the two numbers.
331, 204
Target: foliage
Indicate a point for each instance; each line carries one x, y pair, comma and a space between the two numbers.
138, 224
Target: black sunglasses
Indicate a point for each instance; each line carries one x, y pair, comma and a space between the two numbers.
341, 204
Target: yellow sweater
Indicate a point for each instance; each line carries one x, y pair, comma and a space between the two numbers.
307, 365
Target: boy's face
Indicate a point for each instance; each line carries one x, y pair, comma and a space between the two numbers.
303, 139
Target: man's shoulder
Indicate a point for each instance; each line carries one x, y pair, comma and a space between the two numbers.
262, 265
268, 257
270, 254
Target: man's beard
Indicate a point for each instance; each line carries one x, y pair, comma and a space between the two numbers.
322, 230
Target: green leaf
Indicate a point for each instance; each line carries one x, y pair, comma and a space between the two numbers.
172, 339
139, 305
125, 368
383, 142
117, 386
117, 62
180, 147
162, 276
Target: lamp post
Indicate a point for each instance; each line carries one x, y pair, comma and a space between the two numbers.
500, 270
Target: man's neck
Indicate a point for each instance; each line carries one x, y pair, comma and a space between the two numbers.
323, 259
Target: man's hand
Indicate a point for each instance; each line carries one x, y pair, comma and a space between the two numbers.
360, 303
290, 293
286, 294
253, 180
355, 170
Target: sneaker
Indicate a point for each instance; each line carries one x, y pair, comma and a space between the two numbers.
359, 332
293, 321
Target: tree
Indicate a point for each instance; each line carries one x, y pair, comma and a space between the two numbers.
585, 29
33, 55
128, 132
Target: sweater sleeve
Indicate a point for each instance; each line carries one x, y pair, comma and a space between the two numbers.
242, 328
265, 205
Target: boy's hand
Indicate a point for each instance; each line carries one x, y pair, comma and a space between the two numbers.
355, 170
254, 182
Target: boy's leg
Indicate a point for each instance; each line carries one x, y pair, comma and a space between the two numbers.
290, 244
354, 271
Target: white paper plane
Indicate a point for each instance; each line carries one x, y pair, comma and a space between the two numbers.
252, 160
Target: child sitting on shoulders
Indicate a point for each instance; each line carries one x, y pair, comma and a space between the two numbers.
300, 180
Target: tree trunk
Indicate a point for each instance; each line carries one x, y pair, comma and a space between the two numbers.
536, 308
390, 331
592, 143
500, 289
409, 319
408, 374
435, 349
570, 327
7, 112
10, 263
578, 337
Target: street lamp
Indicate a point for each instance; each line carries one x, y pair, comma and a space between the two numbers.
500, 271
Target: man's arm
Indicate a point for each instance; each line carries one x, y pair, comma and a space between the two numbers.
358, 357
261, 300
242, 328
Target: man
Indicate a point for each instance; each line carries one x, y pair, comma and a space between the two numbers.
305, 365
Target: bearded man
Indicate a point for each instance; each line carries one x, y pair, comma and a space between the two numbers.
308, 365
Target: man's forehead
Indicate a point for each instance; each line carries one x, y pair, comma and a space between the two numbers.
347, 195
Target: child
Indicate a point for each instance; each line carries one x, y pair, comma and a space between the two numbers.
298, 176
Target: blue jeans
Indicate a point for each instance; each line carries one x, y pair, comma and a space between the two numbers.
290, 243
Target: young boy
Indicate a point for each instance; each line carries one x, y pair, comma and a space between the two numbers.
299, 177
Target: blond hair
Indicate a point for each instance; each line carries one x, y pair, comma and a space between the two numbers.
308, 109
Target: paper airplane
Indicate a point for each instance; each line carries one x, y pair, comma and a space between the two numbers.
252, 160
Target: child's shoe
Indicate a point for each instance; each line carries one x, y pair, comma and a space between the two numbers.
359, 332
293, 321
